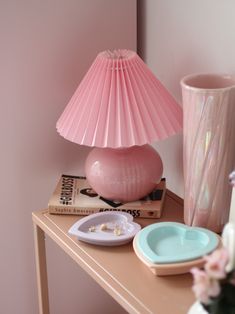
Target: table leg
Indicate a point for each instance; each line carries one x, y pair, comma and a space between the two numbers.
41, 269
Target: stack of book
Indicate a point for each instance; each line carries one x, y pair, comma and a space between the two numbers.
74, 196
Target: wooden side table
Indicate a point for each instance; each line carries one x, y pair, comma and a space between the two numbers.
116, 269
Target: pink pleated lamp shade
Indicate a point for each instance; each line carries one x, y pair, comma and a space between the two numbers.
119, 103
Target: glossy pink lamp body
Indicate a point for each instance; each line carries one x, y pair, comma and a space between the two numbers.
118, 108
124, 174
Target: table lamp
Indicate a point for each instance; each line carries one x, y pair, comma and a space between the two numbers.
119, 108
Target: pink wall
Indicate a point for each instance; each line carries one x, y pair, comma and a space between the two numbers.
46, 47
181, 37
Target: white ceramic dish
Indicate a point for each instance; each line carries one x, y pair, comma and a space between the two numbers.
100, 228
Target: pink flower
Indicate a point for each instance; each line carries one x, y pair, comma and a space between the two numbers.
217, 273
215, 264
203, 286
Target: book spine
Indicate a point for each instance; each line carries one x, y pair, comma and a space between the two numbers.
84, 211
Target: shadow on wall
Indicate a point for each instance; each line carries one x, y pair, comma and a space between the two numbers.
76, 158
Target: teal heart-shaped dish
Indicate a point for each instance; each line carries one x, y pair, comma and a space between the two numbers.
171, 242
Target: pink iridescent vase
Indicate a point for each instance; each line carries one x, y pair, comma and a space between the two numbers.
209, 148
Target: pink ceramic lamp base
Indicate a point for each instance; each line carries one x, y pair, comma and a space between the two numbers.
125, 174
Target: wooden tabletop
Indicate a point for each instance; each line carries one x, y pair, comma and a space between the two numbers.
119, 271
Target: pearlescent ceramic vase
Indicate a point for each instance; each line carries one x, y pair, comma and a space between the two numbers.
209, 148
